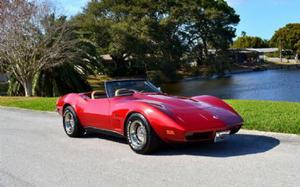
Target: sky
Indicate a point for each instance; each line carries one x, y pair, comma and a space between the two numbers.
258, 17
69, 7
263, 17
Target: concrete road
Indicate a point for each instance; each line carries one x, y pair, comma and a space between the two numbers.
34, 151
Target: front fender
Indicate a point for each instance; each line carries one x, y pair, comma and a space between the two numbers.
215, 102
159, 120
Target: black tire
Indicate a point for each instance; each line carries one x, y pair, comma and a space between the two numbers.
150, 143
76, 129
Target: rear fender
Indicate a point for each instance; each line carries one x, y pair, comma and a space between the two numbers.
73, 100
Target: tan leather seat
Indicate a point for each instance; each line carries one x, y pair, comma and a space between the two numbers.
123, 92
98, 94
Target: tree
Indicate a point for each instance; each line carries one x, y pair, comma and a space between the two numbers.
287, 37
143, 32
67, 77
245, 41
30, 42
206, 24
243, 33
131, 32
110, 25
297, 46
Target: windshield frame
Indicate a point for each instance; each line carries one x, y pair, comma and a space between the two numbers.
110, 84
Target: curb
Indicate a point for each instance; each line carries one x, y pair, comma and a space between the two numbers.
247, 131
25, 109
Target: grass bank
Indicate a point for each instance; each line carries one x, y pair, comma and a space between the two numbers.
271, 116
32, 103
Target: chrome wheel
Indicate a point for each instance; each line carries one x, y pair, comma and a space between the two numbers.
140, 135
69, 123
137, 134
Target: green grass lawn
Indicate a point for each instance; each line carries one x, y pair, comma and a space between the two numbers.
258, 115
271, 116
33, 103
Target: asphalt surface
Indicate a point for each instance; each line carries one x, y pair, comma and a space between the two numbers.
34, 151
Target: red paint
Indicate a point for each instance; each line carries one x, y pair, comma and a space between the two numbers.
171, 117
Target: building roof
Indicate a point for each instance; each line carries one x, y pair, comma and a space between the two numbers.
249, 50
263, 50
106, 57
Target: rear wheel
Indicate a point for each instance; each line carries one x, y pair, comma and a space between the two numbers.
71, 123
140, 136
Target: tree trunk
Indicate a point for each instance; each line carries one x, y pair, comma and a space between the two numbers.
28, 88
280, 56
121, 65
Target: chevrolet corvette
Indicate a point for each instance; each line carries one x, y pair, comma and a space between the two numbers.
145, 116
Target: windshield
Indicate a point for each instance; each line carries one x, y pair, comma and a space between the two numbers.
136, 85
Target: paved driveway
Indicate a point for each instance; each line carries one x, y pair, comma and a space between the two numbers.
34, 151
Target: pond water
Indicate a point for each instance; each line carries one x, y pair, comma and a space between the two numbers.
281, 85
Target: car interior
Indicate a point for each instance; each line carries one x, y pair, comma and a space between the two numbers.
98, 94
122, 88
123, 92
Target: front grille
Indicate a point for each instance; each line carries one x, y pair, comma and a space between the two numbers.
199, 136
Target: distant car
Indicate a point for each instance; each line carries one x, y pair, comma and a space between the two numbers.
140, 112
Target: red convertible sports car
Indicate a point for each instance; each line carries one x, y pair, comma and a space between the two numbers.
140, 112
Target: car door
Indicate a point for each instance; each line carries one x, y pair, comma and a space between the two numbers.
96, 113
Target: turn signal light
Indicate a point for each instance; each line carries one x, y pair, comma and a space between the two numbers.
170, 132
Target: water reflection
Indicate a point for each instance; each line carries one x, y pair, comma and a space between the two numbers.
266, 85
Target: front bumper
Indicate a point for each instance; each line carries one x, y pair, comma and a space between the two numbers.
216, 135
221, 135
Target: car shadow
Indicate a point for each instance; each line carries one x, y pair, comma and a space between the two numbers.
105, 137
236, 145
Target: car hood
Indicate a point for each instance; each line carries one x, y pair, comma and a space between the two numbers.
192, 113
172, 101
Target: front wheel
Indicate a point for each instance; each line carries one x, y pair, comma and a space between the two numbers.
71, 123
140, 136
